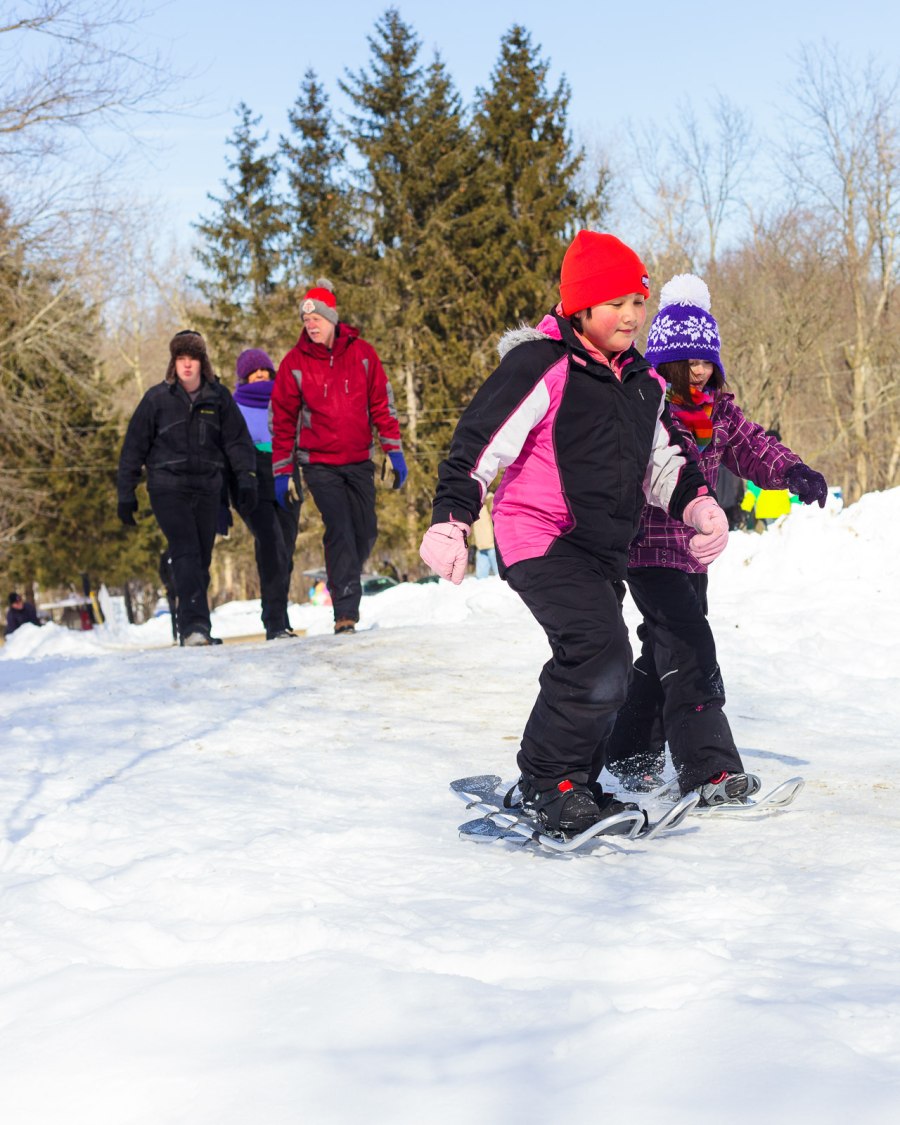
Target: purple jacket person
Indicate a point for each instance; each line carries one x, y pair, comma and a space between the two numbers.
677, 694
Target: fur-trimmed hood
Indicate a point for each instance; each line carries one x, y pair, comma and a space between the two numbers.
548, 329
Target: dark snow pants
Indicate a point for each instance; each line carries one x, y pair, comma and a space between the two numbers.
188, 521
345, 497
274, 531
677, 692
585, 681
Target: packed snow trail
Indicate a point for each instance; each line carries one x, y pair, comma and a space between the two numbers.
233, 887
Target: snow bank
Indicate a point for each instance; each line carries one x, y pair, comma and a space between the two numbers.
849, 554
232, 888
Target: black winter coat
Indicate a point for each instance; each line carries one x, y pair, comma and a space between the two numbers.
186, 446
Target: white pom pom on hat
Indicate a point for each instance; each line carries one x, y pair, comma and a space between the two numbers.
686, 289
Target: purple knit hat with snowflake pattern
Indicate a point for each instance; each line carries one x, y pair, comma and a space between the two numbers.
684, 328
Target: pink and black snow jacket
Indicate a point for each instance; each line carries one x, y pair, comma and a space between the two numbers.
741, 446
582, 450
326, 402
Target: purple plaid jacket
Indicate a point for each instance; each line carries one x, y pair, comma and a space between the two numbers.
737, 443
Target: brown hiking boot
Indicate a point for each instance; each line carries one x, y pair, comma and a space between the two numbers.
345, 625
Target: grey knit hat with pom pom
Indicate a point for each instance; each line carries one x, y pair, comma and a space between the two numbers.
320, 299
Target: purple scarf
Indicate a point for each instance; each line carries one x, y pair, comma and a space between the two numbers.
253, 402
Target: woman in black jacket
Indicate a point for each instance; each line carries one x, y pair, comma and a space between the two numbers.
188, 432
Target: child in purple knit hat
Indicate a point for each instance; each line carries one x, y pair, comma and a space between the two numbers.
273, 526
676, 693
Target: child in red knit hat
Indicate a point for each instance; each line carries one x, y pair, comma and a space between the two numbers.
577, 418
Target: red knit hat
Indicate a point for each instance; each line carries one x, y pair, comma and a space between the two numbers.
598, 268
321, 299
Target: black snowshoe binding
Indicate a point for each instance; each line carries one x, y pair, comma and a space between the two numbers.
728, 789
567, 808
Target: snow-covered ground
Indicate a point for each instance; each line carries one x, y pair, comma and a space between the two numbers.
233, 889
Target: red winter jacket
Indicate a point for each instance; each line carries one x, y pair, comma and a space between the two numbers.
326, 401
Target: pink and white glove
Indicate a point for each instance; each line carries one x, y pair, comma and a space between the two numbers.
711, 525
446, 550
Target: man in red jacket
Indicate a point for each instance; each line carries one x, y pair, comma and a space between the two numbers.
330, 390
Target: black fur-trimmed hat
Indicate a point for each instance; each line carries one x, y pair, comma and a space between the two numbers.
189, 342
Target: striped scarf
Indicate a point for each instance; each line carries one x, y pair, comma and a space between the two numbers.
696, 415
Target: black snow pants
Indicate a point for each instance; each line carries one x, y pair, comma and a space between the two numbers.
345, 497
188, 521
585, 681
676, 693
274, 531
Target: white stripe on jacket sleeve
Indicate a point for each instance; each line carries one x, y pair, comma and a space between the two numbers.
506, 442
667, 459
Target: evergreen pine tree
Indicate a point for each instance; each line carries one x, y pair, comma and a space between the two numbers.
79, 532
243, 250
59, 448
318, 208
523, 136
425, 206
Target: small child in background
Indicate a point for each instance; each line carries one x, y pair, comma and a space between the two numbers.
579, 420
677, 693
765, 505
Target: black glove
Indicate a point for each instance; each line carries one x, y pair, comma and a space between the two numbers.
809, 485
247, 495
223, 520
125, 512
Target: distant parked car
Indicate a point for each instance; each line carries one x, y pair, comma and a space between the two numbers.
376, 583
371, 583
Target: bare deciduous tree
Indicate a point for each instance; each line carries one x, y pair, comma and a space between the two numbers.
67, 65
844, 156
694, 179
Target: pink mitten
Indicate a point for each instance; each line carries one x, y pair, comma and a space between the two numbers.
445, 549
711, 524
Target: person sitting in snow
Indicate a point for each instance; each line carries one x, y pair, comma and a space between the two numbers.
677, 693
579, 419
19, 613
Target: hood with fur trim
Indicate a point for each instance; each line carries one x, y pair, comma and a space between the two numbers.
548, 329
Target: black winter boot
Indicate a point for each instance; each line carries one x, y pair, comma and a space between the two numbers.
567, 807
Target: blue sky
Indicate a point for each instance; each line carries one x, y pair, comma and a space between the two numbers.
627, 64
